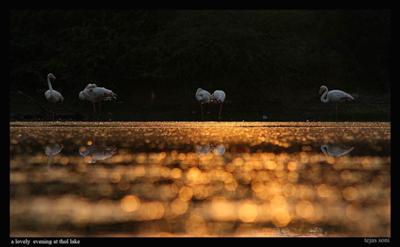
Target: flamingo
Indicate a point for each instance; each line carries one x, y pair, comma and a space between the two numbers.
335, 151
334, 96
218, 97
203, 97
51, 94
96, 94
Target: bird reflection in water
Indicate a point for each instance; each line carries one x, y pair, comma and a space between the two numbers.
52, 150
335, 150
210, 148
167, 179
96, 152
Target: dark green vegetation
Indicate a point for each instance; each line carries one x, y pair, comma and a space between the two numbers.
268, 62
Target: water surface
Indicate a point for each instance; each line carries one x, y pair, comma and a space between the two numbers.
199, 179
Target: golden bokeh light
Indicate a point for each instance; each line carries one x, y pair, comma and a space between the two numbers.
130, 203
222, 209
179, 206
185, 193
176, 173
248, 212
350, 193
305, 209
201, 179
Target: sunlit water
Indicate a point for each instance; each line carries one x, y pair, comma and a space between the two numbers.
199, 179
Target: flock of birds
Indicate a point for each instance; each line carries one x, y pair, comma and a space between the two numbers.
96, 95
204, 97
91, 93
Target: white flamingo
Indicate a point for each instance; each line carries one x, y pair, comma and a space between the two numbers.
335, 151
51, 94
96, 94
334, 96
203, 97
218, 97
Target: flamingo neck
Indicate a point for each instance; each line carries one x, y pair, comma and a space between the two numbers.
324, 96
49, 83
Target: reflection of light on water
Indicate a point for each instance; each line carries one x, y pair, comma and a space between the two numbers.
350, 193
260, 176
248, 212
52, 150
222, 210
185, 193
130, 203
93, 153
305, 209
176, 173
210, 148
179, 206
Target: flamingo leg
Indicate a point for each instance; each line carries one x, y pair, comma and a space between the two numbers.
220, 111
94, 110
49, 161
100, 108
52, 115
336, 112
201, 109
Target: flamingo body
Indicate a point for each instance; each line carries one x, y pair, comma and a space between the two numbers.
334, 96
218, 96
53, 96
96, 94
203, 96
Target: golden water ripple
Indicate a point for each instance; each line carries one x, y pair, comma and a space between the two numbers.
200, 179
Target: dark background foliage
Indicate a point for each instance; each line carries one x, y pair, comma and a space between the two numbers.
267, 61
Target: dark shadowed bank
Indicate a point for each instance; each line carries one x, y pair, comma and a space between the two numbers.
270, 63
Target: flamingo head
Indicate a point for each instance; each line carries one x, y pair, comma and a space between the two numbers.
51, 76
91, 85
322, 89
82, 95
